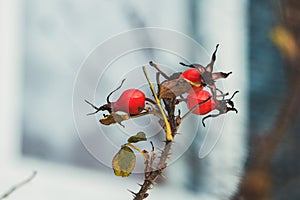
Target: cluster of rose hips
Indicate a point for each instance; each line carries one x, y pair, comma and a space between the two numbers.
192, 82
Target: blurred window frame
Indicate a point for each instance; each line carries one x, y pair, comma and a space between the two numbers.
14, 166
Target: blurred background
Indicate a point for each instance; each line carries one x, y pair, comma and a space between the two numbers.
44, 43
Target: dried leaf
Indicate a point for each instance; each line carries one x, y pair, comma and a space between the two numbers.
124, 162
114, 118
173, 88
140, 136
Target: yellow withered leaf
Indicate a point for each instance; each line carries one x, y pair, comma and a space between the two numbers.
124, 162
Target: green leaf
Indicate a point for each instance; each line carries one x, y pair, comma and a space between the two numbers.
140, 136
124, 162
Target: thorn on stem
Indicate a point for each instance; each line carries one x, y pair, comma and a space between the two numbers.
152, 146
133, 193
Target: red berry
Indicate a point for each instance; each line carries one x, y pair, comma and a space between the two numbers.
192, 75
131, 101
199, 96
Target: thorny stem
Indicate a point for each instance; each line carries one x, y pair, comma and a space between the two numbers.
15, 187
152, 174
150, 177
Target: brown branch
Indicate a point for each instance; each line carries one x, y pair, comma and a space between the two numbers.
19, 185
150, 177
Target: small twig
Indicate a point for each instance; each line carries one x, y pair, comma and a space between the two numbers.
19, 185
151, 63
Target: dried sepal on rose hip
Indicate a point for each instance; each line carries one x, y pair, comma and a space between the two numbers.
204, 75
202, 102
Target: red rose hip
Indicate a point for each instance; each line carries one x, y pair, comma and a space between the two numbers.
192, 75
131, 101
197, 97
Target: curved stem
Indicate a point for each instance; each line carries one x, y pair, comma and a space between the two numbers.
107, 98
169, 136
